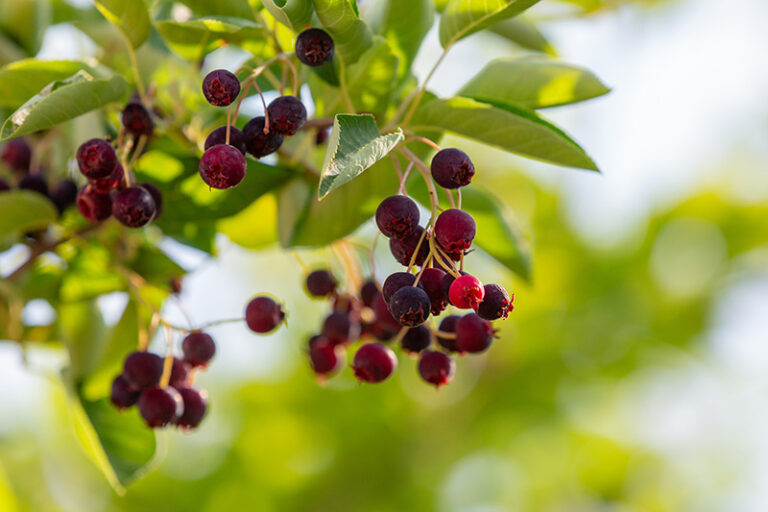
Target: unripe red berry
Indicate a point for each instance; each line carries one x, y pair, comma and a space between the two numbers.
394, 282
219, 136
432, 283
258, 143
114, 180
448, 325
448, 280
160, 406
263, 314
473, 334
221, 87
136, 120
223, 167
122, 394
374, 362
94, 206
436, 367
455, 230
410, 306
466, 292
397, 217
133, 207
195, 403
16, 154
314, 47
452, 168
96, 159
198, 348
286, 115
34, 183
403, 249
416, 339
143, 369
496, 303
321, 283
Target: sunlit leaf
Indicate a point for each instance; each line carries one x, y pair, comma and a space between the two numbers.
524, 34
294, 14
187, 37
22, 211
22, 79
406, 33
131, 17
464, 17
351, 35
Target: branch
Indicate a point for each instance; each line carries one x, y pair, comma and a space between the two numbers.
38, 250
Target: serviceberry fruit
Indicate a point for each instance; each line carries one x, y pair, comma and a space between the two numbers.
322, 135
194, 404
314, 47
113, 181
157, 196
448, 325
321, 283
452, 168
397, 217
448, 280
368, 293
258, 143
160, 406
123, 395
416, 339
473, 334
324, 356
337, 328
136, 120
466, 292
403, 250
436, 367
179, 373
133, 207
410, 306
222, 167
385, 327
16, 154
96, 159
143, 369
432, 283
373, 362
496, 303
286, 115
94, 206
219, 136
198, 348
34, 183
263, 314
394, 282
221, 87
455, 230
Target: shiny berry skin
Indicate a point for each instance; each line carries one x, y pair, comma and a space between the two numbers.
34, 183
113, 181
222, 167
179, 372
452, 168
136, 120
258, 143
221, 87
473, 334
195, 403
143, 369
448, 281
448, 325
314, 47
394, 282
123, 395
455, 230
496, 303
94, 206
324, 356
198, 348
263, 314
219, 136
410, 306
286, 115
432, 283
397, 217
16, 154
321, 283
374, 362
338, 328
368, 293
436, 367
403, 250
64, 194
416, 339
157, 196
133, 207
96, 159
160, 406
466, 292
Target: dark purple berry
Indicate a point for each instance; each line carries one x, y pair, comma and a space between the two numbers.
222, 167
263, 314
113, 181
96, 159
321, 283
34, 183
410, 306
157, 196
221, 87
397, 217
286, 115
133, 207
94, 206
455, 230
314, 47
322, 135
258, 143
198, 348
123, 395
195, 403
496, 303
368, 293
452, 168
143, 369
403, 249
338, 328
394, 282
136, 120
448, 325
179, 373
432, 283
466, 292
473, 334
416, 339
16, 154
374, 362
64, 194
219, 136
324, 356
385, 326
160, 406
436, 368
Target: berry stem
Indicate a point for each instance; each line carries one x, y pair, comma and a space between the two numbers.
135, 69
450, 197
458, 195
229, 119
416, 250
423, 268
425, 140
223, 321
343, 86
425, 173
372, 258
401, 189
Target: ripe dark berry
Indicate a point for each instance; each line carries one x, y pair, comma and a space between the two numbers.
385, 327
416, 339
219, 136
338, 328
374, 362
432, 283
263, 314
157, 196
258, 143
496, 303
448, 325
314, 47
397, 217
321, 283
198, 348
96, 159
64, 194
16, 154
368, 293
410, 306
455, 230
322, 135
466, 292
222, 167
143, 369
160, 406
324, 356
436, 368
221, 87
136, 120
473, 334
179, 373
403, 249
114, 180
34, 183
92, 205
123, 395
394, 282
286, 115
452, 168
195, 403
133, 207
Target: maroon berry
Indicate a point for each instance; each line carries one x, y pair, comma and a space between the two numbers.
397, 217
222, 167
286, 115
136, 120
34, 183
16, 154
368, 293
403, 249
221, 87
179, 373
436, 368
195, 403
64, 194
473, 334
94, 206
198, 348
258, 143
410, 306
219, 136
416, 339
385, 327
263, 314
113, 181
432, 283
452, 168
496, 303
324, 356
157, 196
466, 292
394, 282
133, 207
448, 325
338, 328
143, 369
374, 362
96, 159
160, 406
322, 135
123, 395
314, 47
321, 283
455, 230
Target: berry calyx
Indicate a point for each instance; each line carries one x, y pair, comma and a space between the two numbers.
448, 326
432, 283
473, 334
34, 183
394, 282
452, 168
397, 217
263, 314
96, 159
436, 367
133, 207
416, 339
466, 292
496, 304
160, 406
198, 348
16, 154
321, 283
194, 405
258, 143
143, 369
157, 196
286, 115
219, 136
221, 87
314, 47
410, 306
403, 249
324, 356
114, 180
94, 206
136, 120
374, 362
454, 230
222, 167
122, 394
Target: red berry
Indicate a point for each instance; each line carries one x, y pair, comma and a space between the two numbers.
403, 249
258, 143
448, 280
157, 196
374, 362
222, 167
143, 369
368, 293
286, 115
496, 303
338, 328
466, 292
136, 120
219, 136
160, 406
34, 183
473, 334
416, 339
114, 180
92, 205
452, 168
448, 325
198, 348
455, 230
195, 403
321, 283
96, 159
436, 368
16, 154
133, 207
221, 87
324, 356
123, 395
263, 314
314, 47
397, 217
394, 282
410, 306
432, 283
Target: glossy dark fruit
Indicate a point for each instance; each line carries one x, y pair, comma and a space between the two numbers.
286, 115
219, 136
64, 194
321, 283
455, 230
416, 339
324, 356
452, 168
410, 306
143, 369
157, 196
34, 183
111, 182
96, 159
338, 328
473, 334
394, 282
258, 143
136, 120
160, 406
263, 314
195, 403
133, 207
496, 303
221, 87
368, 293
16, 154
94, 206
466, 292
403, 250
432, 283
374, 362
314, 47
448, 325
222, 167
198, 348
397, 217
436, 367
122, 394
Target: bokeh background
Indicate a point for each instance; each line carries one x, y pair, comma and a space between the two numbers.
632, 375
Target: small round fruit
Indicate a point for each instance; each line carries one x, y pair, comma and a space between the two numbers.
34, 183
113, 181
222, 167
496, 303
368, 293
136, 120
321, 283
286, 115
219, 136
198, 348
452, 168
448, 326
160, 406
397, 217
195, 403
374, 362
324, 356
432, 283
157, 196
403, 250
466, 292
410, 306
64, 194
394, 282
94, 206
454, 230
473, 334
314, 47
338, 328
143, 369
436, 367
263, 314
258, 143
133, 207
416, 339
123, 395
385, 327
96, 159
179, 373
221, 87
16, 154
448, 280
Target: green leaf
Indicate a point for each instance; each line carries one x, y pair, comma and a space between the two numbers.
355, 145
464, 17
240, 228
513, 129
187, 37
25, 21
294, 14
22, 79
22, 211
351, 35
524, 34
129, 16
373, 79
533, 83
82, 330
61, 101
406, 33
234, 8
